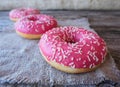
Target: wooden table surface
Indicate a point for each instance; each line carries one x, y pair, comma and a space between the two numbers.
105, 23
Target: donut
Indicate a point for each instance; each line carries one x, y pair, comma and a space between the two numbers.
33, 26
72, 49
16, 14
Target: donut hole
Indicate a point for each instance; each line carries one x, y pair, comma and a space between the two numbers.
68, 37
70, 41
32, 19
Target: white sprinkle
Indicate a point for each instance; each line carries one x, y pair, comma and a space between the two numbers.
48, 22
98, 43
64, 37
79, 59
96, 59
90, 53
103, 49
54, 52
72, 58
73, 66
80, 51
81, 39
50, 32
93, 65
58, 53
91, 42
90, 66
73, 45
76, 59
77, 32
59, 45
60, 58
87, 45
88, 37
36, 30
94, 42
43, 27
92, 48
92, 36
70, 64
64, 56
55, 37
84, 42
84, 62
88, 58
58, 48
94, 56
38, 22
65, 62
53, 49
84, 66
28, 26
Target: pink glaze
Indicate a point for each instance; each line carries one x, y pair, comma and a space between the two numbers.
35, 24
20, 12
73, 47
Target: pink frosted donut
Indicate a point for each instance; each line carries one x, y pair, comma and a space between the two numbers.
16, 14
72, 49
33, 26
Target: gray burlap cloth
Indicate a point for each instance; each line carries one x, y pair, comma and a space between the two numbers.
21, 61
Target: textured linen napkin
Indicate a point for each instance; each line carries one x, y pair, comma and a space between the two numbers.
21, 61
